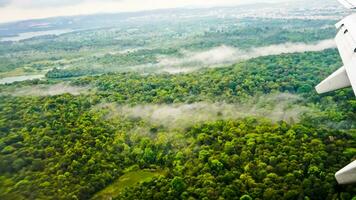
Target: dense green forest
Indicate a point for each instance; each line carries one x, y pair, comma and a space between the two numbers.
190, 103
66, 147
252, 159
292, 73
131, 46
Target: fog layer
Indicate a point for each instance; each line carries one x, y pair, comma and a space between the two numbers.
225, 54
281, 106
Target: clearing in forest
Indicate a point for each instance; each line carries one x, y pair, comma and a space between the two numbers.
127, 180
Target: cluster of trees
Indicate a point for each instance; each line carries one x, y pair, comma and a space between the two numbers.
252, 159
8, 64
73, 72
59, 147
110, 62
294, 73
154, 39
263, 32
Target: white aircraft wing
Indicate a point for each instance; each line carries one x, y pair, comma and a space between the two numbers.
346, 75
351, 72
347, 174
337, 80
348, 3
346, 43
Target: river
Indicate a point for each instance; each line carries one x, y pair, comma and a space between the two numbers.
20, 78
28, 35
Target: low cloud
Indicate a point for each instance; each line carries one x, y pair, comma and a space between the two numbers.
226, 54
281, 106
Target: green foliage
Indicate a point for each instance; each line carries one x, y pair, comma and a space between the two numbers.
268, 169
178, 184
64, 147
245, 197
130, 45
285, 73
57, 147
294, 73
129, 179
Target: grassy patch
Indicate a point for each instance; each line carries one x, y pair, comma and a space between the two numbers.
127, 180
15, 72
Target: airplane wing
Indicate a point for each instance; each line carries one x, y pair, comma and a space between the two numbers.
346, 43
351, 72
351, 4
337, 80
347, 174
345, 76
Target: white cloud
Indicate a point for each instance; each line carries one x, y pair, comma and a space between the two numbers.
225, 54
277, 106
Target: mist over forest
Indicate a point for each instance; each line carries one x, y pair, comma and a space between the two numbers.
183, 103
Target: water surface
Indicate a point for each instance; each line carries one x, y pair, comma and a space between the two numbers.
28, 35
20, 78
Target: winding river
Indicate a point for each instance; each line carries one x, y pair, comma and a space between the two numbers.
20, 78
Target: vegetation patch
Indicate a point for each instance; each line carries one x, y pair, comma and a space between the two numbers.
129, 179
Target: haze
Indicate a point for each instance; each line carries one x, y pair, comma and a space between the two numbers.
14, 10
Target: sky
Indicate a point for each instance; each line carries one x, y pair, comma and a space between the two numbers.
15, 10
